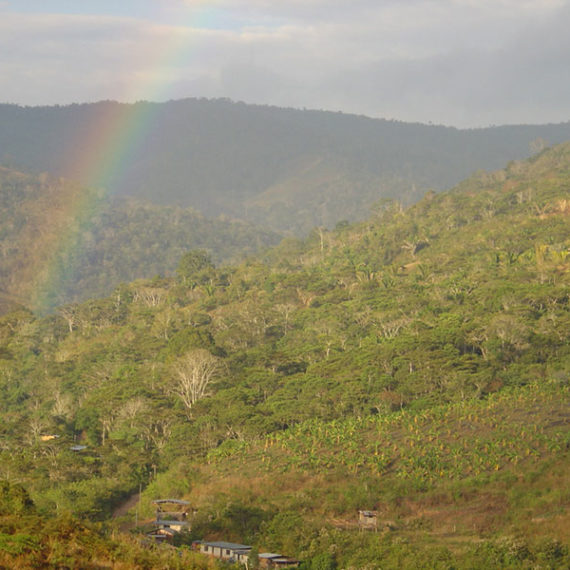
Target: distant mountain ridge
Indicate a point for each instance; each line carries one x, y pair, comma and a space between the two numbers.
285, 169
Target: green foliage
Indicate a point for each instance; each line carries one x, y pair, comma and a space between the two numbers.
17, 544
195, 268
323, 561
14, 499
453, 442
242, 521
90, 243
65, 542
287, 532
419, 356
253, 559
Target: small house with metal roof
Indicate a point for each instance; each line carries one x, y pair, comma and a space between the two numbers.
171, 518
273, 560
226, 551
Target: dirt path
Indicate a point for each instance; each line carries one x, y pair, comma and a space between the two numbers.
126, 505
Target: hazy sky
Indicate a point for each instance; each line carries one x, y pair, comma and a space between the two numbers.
456, 62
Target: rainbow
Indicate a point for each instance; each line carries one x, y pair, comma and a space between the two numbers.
101, 157
61, 251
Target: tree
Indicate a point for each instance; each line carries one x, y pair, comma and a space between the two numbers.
195, 267
14, 499
253, 559
194, 372
69, 313
323, 561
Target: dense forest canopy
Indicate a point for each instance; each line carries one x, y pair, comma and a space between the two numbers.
416, 363
62, 242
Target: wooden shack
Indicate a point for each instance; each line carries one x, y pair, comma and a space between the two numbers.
368, 520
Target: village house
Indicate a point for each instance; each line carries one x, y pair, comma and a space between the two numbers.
229, 551
171, 515
271, 560
162, 534
240, 553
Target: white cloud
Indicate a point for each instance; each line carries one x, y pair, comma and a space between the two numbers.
459, 62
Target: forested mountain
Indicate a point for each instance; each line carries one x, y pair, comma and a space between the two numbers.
416, 364
289, 170
62, 243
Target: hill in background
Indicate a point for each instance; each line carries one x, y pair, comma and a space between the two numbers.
284, 169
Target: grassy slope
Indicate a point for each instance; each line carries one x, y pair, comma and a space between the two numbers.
471, 485
473, 468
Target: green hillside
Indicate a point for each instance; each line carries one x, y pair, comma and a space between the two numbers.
416, 364
284, 169
64, 243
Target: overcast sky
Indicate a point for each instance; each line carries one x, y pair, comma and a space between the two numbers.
455, 62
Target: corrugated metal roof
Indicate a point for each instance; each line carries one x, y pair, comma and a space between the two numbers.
175, 501
268, 555
228, 545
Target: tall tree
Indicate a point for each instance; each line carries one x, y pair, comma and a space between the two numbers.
194, 373
195, 267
